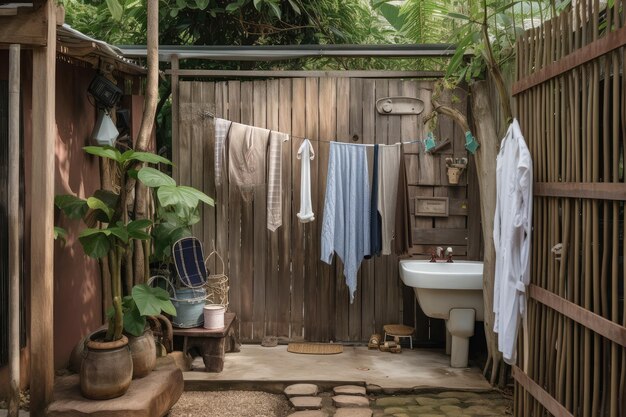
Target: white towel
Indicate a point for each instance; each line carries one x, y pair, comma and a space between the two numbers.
274, 181
221, 131
388, 164
306, 155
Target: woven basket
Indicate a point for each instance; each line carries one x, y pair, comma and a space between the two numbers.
217, 284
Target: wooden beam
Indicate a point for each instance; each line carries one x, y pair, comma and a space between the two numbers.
542, 396
28, 27
42, 219
594, 322
14, 232
611, 41
304, 74
590, 190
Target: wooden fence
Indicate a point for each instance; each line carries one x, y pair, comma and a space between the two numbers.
278, 285
571, 101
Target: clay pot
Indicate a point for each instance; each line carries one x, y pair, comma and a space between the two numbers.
143, 351
453, 175
107, 368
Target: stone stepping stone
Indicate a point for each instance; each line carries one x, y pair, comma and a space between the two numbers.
301, 390
461, 395
306, 403
394, 401
309, 413
353, 412
349, 390
341, 401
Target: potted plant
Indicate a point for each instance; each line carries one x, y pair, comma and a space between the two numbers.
107, 369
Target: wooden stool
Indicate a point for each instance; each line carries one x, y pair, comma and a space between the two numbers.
399, 330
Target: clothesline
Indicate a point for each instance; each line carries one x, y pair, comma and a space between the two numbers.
359, 144
410, 142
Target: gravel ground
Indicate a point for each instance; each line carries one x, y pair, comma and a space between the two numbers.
230, 404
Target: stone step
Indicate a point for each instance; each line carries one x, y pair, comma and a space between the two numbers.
353, 412
301, 390
349, 390
306, 403
341, 401
309, 413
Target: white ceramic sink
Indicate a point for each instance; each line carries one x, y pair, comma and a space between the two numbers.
449, 291
466, 275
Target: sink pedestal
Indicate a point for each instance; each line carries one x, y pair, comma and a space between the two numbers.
461, 326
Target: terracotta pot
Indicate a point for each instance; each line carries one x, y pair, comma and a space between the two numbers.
143, 351
107, 368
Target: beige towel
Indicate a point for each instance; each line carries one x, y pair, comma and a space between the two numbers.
247, 151
274, 181
388, 163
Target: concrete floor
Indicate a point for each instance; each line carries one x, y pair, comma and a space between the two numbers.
411, 369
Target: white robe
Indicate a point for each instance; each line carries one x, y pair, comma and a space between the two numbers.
511, 236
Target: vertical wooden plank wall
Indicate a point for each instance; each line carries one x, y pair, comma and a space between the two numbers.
278, 286
570, 95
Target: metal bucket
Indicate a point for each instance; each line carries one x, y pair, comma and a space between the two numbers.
189, 304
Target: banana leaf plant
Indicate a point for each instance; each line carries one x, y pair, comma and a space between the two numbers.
177, 209
110, 234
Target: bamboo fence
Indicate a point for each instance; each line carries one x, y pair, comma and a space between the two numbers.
571, 104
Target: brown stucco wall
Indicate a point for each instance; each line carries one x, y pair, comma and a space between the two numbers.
77, 289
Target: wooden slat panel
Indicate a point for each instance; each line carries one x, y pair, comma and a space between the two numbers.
259, 205
341, 295
381, 280
594, 50
452, 236
328, 130
299, 240
367, 284
247, 230
285, 280
234, 214
208, 172
272, 282
312, 322
221, 199
184, 135
196, 161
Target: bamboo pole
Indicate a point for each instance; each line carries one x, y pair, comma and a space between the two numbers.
14, 233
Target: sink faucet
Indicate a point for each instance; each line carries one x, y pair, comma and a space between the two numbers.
449, 255
437, 255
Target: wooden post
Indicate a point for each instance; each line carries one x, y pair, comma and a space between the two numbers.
14, 223
42, 219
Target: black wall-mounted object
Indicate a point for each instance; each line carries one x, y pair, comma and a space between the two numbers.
104, 91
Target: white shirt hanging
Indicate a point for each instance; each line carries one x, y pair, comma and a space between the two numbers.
511, 236
306, 155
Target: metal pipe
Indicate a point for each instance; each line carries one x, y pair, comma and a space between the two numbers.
14, 249
283, 52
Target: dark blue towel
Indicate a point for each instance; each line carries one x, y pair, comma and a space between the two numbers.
375, 220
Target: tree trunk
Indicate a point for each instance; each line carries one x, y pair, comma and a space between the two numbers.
485, 129
147, 126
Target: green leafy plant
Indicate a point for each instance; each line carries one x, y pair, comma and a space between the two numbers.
177, 210
110, 233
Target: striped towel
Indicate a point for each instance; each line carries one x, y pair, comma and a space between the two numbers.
221, 131
274, 181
